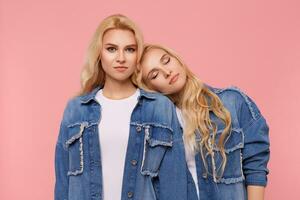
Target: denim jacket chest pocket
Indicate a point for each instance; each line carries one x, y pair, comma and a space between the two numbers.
233, 146
75, 145
157, 140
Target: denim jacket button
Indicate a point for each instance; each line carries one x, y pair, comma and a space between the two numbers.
133, 162
204, 175
138, 129
130, 194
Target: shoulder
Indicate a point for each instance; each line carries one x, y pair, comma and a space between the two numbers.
159, 108
235, 99
156, 98
72, 108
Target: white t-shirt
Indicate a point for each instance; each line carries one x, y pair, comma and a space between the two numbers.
189, 153
113, 136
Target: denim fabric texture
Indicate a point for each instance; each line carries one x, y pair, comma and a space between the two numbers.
154, 167
246, 147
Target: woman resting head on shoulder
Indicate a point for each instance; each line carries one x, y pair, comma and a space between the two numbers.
226, 137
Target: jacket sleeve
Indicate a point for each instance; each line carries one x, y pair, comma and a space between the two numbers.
256, 151
61, 167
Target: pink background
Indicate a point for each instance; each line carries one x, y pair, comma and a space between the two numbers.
254, 45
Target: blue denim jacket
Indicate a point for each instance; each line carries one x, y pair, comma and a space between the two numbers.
246, 147
155, 165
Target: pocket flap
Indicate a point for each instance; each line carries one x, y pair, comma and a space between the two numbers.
156, 135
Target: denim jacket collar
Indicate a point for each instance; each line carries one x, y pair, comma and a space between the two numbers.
91, 95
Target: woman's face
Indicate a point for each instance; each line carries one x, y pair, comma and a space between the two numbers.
162, 72
118, 54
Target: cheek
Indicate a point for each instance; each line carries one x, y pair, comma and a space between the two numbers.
132, 58
107, 60
181, 81
182, 72
180, 84
108, 56
104, 64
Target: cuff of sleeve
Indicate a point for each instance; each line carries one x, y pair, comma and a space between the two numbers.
254, 179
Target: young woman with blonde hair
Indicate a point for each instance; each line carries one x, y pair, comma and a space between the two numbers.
142, 151
225, 135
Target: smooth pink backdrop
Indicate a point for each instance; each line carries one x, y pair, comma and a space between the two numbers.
254, 45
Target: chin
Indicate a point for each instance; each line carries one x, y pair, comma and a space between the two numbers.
177, 88
170, 92
122, 77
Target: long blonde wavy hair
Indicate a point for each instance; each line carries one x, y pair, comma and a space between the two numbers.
196, 101
92, 74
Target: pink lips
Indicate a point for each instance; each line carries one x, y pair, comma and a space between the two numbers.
174, 79
121, 68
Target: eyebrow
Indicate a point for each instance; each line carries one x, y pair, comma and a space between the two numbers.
111, 44
131, 45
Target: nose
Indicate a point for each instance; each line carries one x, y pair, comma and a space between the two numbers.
121, 57
166, 72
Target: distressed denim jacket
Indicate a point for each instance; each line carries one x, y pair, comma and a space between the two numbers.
246, 147
155, 166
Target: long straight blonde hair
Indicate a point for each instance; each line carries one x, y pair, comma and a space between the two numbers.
196, 101
92, 74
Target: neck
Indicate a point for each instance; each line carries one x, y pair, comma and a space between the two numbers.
176, 98
118, 89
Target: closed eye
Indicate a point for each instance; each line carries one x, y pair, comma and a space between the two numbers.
153, 74
166, 60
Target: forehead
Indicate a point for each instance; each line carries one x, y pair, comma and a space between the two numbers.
151, 59
119, 37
